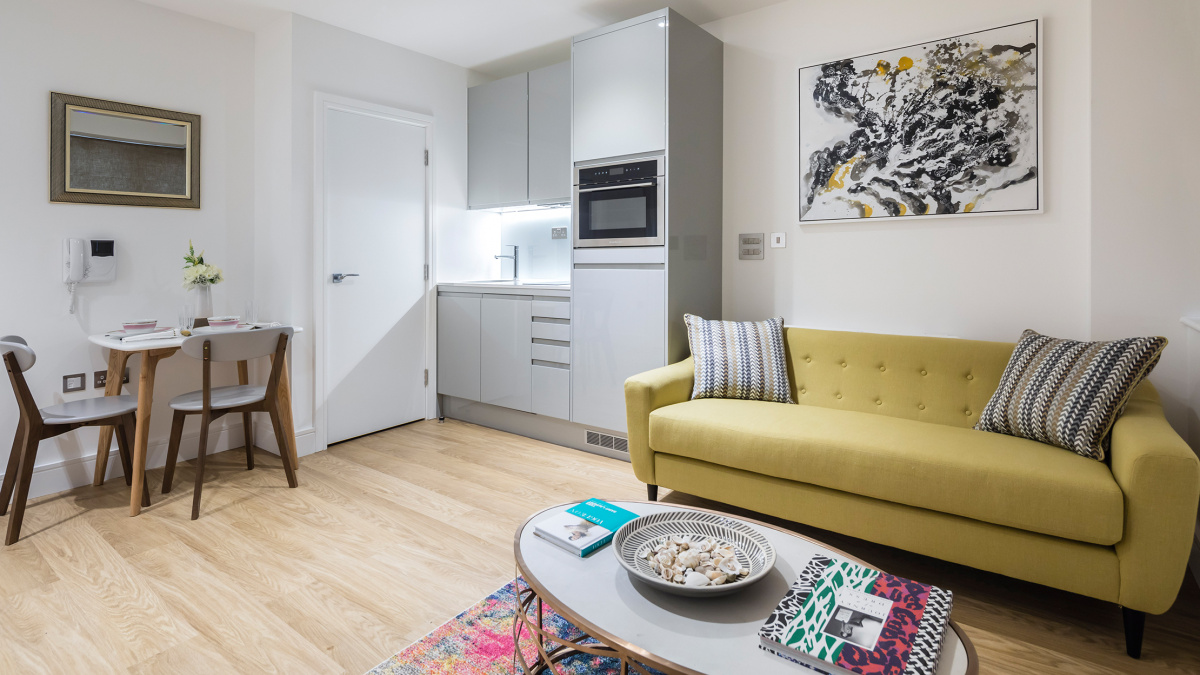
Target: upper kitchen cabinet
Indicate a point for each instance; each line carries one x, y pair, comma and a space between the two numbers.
519, 139
550, 134
498, 143
619, 99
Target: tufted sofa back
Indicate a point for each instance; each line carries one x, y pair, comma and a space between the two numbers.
940, 380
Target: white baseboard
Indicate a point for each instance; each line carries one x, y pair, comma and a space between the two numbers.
76, 472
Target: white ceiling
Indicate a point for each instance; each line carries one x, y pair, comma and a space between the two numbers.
494, 37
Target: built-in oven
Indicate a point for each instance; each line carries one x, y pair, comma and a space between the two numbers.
621, 203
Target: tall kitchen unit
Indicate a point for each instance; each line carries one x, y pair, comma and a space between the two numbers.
646, 135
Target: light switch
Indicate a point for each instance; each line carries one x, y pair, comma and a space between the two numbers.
778, 240
750, 246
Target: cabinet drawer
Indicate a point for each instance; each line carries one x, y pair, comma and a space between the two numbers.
552, 331
552, 353
552, 391
552, 309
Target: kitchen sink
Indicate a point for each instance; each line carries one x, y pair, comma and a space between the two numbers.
517, 282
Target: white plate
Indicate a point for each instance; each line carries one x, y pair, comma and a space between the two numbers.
201, 330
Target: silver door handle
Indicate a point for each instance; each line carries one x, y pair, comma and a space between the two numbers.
338, 277
617, 187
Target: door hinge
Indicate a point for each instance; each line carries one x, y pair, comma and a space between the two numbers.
426, 377
426, 158
426, 271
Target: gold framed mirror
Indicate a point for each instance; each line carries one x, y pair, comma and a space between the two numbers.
105, 152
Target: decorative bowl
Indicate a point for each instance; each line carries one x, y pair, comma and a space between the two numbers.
136, 327
753, 549
223, 321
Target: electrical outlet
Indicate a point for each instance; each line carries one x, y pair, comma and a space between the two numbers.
778, 240
558, 233
125, 379
99, 379
74, 382
750, 246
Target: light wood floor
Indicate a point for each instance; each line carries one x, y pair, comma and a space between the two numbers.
389, 536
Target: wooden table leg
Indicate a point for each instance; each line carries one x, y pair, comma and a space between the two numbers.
150, 359
112, 387
243, 369
285, 414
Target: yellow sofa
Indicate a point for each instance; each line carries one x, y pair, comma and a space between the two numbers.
881, 447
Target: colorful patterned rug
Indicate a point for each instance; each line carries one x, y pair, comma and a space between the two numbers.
479, 641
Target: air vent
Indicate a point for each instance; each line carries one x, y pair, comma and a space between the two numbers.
607, 441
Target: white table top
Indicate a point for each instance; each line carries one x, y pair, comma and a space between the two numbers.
707, 635
103, 340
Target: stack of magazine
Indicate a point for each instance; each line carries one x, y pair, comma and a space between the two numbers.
585, 527
842, 617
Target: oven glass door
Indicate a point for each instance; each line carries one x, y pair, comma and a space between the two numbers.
619, 215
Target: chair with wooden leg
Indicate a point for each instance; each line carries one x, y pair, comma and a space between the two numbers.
37, 424
212, 403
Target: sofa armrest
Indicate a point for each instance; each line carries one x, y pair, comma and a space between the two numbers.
645, 393
1160, 476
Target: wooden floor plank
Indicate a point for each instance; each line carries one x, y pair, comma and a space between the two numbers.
387, 537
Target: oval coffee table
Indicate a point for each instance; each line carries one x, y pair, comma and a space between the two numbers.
677, 635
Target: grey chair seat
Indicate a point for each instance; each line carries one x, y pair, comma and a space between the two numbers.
222, 398
89, 409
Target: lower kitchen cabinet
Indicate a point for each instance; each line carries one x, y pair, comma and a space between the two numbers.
458, 346
505, 351
552, 391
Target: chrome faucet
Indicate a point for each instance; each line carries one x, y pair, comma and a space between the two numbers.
516, 258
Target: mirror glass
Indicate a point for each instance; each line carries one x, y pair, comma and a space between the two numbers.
119, 153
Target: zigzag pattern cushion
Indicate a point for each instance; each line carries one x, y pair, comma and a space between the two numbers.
739, 359
1068, 393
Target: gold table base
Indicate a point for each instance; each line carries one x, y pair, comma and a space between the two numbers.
545, 660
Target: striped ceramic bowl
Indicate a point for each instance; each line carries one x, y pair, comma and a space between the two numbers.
753, 550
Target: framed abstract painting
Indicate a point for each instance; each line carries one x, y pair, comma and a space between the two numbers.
943, 128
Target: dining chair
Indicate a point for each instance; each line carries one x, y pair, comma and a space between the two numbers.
213, 403
35, 425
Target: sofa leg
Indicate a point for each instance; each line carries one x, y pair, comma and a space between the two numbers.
1135, 628
652, 492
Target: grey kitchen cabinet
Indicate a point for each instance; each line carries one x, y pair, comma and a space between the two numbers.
619, 92
506, 340
552, 390
498, 143
458, 345
550, 134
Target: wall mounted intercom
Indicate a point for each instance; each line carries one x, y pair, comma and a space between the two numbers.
88, 261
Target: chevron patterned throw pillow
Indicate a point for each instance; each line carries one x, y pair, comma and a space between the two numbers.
1068, 393
739, 359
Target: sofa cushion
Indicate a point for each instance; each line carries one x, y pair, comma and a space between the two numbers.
1068, 393
989, 477
739, 359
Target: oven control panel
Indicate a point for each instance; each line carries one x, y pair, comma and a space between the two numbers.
617, 173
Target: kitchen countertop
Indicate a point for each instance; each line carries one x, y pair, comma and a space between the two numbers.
509, 287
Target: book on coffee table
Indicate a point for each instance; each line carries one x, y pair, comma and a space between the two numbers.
842, 617
585, 527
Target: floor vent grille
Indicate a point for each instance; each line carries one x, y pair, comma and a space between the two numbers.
607, 441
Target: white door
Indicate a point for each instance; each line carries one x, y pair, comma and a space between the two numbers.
374, 205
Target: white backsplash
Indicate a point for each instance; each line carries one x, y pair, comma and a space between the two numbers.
542, 258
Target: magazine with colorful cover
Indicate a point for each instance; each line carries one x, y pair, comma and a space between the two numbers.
585, 527
842, 617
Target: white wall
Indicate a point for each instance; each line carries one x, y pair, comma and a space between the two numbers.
542, 257
296, 57
977, 277
134, 53
1145, 271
